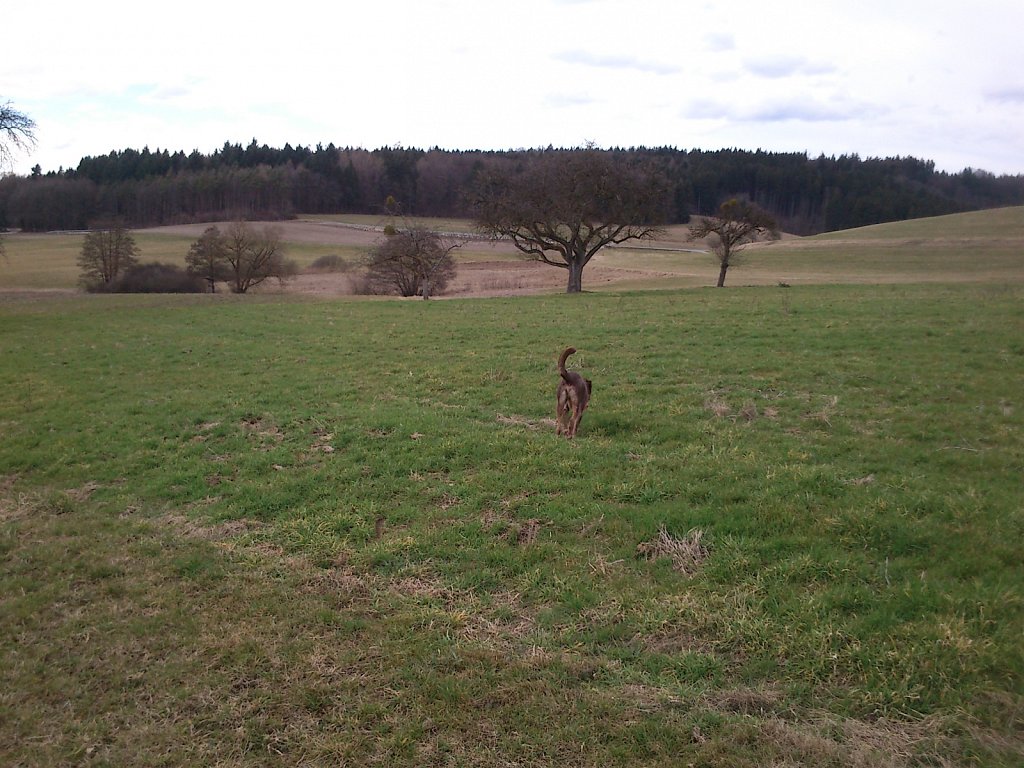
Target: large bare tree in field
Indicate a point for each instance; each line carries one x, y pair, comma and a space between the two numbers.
738, 223
17, 130
254, 257
564, 207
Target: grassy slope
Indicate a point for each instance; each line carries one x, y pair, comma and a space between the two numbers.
192, 573
982, 246
995, 223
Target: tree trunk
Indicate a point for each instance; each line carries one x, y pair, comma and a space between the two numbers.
721, 274
575, 277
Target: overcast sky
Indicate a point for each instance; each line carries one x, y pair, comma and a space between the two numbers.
936, 79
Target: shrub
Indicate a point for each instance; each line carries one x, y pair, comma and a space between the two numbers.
411, 262
155, 277
330, 263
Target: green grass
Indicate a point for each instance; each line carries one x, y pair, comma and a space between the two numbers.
981, 246
190, 490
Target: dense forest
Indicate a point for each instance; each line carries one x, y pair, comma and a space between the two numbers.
151, 188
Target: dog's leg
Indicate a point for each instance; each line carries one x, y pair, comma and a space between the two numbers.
561, 412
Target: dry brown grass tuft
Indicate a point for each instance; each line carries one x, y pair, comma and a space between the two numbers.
749, 412
878, 744
686, 553
14, 508
826, 412
717, 406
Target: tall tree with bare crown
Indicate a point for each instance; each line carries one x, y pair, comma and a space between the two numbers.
564, 207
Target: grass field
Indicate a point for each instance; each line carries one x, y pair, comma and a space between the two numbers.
983, 246
269, 530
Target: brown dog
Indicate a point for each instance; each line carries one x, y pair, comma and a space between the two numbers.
573, 397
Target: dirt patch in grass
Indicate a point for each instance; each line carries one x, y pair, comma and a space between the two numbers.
195, 529
745, 701
527, 532
83, 492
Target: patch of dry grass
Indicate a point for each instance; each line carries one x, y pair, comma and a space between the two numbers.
686, 552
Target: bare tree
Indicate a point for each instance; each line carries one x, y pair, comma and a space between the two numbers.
107, 252
207, 258
254, 257
413, 261
17, 130
738, 223
564, 207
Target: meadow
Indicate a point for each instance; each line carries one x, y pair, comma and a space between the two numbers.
272, 530
982, 246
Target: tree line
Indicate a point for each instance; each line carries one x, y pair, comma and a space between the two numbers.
805, 195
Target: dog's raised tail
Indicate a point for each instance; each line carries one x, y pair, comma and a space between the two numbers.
561, 362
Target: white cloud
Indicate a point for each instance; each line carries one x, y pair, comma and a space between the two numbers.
617, 61
1008, 95
940, 82
774, 66
720, 41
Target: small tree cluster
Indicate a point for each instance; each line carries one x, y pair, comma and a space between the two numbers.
109, 264
242, 256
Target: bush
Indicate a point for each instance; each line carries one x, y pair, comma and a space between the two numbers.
412, 262
363, 284
330, 263
157, 278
